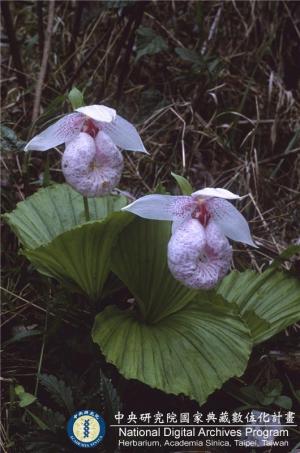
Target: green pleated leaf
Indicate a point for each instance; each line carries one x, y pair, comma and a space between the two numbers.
139, 259
190, 352
80, 258
56, 239
269, 302
54, 210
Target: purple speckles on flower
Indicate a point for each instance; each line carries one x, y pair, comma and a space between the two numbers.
197, 256
182, 207
58, 133
93, 167
70, 126
92, 162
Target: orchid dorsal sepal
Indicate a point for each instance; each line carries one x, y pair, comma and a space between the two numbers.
121, 132
216, 192
98, 113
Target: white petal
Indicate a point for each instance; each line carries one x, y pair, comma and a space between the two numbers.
230, 221
162, 207
124, 135
98, 113
219, 193
60, 132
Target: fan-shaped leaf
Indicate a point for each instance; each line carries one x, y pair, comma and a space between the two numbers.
191, 352
50, 225
54, 210
80, 258
140, 260
273, 296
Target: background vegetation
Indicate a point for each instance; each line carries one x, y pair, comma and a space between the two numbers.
213, 88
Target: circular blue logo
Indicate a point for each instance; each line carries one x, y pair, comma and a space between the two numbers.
86, 429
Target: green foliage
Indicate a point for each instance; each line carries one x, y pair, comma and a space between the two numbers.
186, 352
46, 418
149, 43
194, 334
9, 140
183, 183
288, 253
49, 225
59, 391
167, 342
47, 442
163, 309
54, 210
80, 258
112, 402
269, 302
200, 63
160, 189
188, 55
149, 101
75, 96
25, 398
265, 395
220, 145
139, 259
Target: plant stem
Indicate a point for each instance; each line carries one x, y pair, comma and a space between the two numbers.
41, 353
86, 209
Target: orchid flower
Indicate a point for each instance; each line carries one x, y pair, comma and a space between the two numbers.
199, 253
92, 162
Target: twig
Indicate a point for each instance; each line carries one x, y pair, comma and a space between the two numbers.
212, 30
182, 138
75, 31
279, 156
38, 373
32, 304
46, 51
292, 19
264, 223
123, 38
138, 12
88, 56
24, 300
40, 26
13, 43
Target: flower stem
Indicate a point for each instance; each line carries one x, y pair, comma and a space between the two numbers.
86, 209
